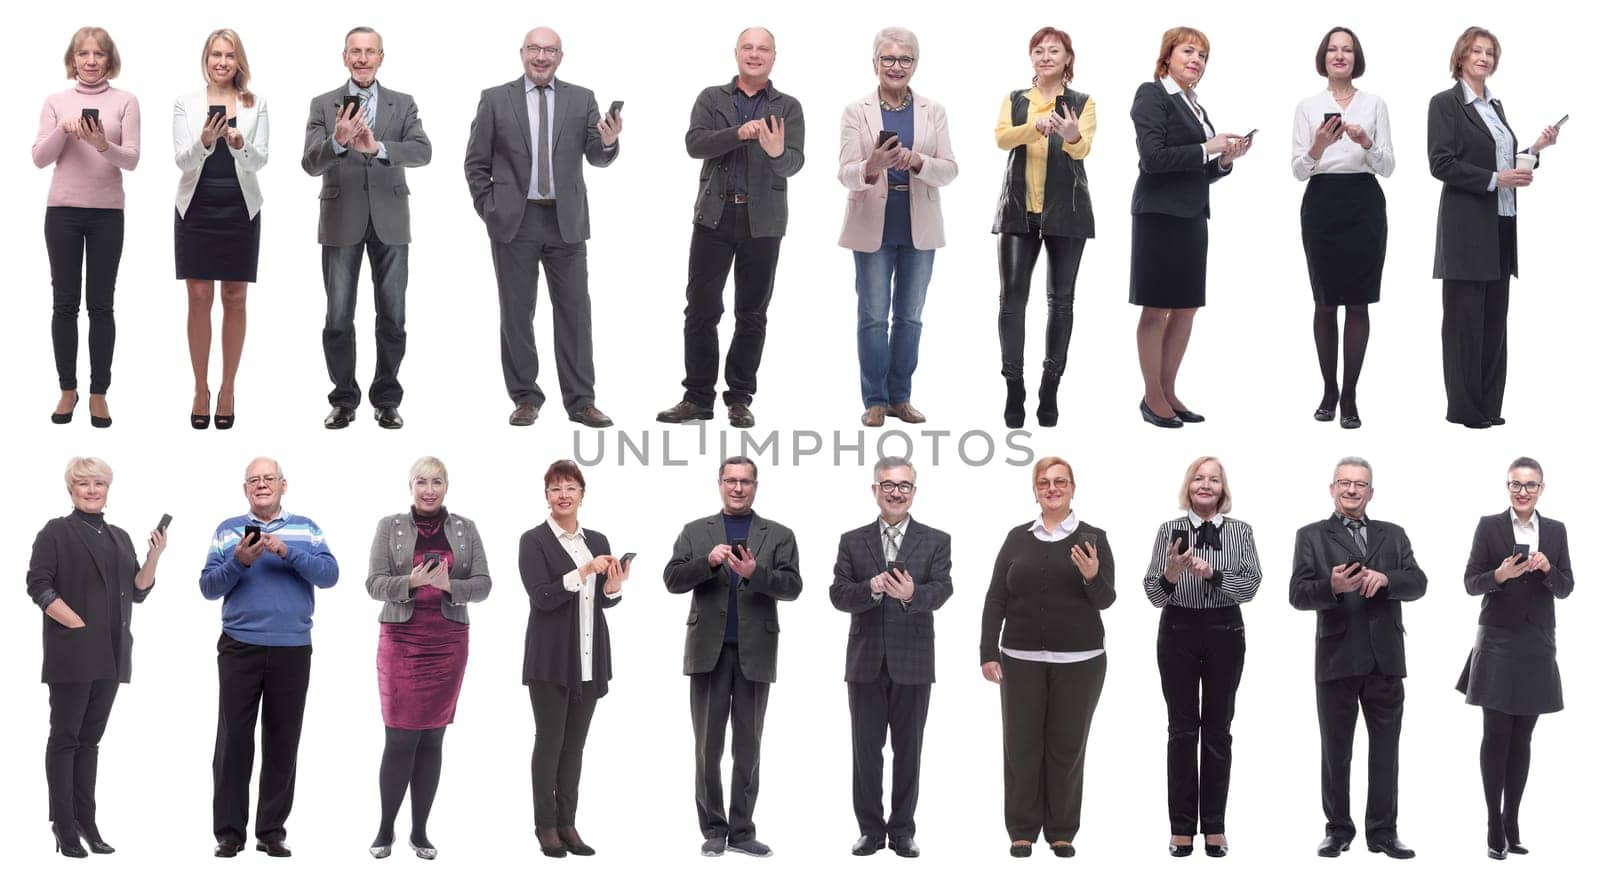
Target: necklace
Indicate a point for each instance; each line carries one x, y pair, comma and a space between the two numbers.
1343, 100
904, 102
97, 529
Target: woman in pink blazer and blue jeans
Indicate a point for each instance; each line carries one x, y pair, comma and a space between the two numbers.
894, 155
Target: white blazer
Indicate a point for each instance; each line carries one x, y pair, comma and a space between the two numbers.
188, 118
864, 210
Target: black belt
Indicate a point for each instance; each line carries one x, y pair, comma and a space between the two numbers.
544, 202
737, 198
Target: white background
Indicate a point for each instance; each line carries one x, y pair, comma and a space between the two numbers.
1251, 369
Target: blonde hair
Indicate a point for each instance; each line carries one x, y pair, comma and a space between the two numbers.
114, 63
82, 467
241, 73
1048, 462
1224, 501
428, 466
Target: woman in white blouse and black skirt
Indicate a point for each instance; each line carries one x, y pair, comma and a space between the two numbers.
1202, 568
1341, 143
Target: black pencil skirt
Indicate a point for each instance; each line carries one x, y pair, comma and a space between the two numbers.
1344, 226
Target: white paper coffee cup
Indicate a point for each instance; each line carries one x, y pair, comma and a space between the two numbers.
1526, 160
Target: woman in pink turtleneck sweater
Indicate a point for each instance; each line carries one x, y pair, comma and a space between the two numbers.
91, 133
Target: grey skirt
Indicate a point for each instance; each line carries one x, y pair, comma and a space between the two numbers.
1513, 670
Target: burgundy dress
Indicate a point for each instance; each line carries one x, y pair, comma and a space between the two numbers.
421, 662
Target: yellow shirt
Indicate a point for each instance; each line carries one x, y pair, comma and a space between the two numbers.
1009, 137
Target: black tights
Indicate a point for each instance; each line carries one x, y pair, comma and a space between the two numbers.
410, 757
1325, 329
1504, 757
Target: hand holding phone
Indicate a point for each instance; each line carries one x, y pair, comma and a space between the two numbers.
1521, 552
166, 520
1562, 121
614, 110
1181, 538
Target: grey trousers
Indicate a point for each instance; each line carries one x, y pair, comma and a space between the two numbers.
516, 270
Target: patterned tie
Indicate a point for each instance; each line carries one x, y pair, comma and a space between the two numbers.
543, 159
1355, 532
369, 108
891, 543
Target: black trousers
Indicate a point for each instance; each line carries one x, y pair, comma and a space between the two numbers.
516, 273
713, 697
1380, 698
884, 709
1047, 709
1200, 653
754, 262
341, 275
561, 726
1018, 254
85, 247
78, 716
1473, 335
270, 681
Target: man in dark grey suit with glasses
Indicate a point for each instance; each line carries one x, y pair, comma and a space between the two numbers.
524, 168
737, 566
890, 576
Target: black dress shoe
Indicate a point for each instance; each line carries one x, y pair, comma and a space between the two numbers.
550, 843
67, 842
1159, 421
1187, 417
1021, 850
339, 417
1180, 850
61, 418
740, 416
591, 417
1516, 848
389, 417
573, 843
227, 849
1331, 847
1323, 413
1496, 420
273, 848
905, 847
1497, 854
1063, 850
91, 835
866, 845
1391, 847
1217, 850
685, 411
1350, 422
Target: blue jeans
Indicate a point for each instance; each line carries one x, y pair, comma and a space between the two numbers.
893, 277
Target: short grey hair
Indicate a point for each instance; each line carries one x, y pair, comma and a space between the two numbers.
276, 468
895, 35
82, 467
363, 29
1354, 461
428, 466
890, 462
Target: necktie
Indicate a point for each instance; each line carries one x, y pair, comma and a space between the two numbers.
369, 109
543, 160
891, 543
1355, 533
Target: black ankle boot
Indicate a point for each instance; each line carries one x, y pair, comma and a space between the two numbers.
1016, 411
1048, 412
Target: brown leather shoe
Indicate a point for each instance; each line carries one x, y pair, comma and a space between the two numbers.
685, 411
590, 417
740, 416
524, 415
873, 417
907, 413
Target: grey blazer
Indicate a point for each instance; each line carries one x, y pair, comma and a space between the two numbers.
713, 136
885, 631
499, 162
777, 577
356, 187
389, 568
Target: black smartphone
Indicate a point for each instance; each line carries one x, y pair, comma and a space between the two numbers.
430, 561
166, 520
885, 135
216, 111
1521, 552
252, 534
1562, 121
1249, 135
892, 565
1181, 536
348, 102
616, 108
1332, 115
94, 114
1061, 106
628, 557
740, 544
1355, 568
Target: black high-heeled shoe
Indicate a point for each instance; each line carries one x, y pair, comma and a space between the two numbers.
67, 842
201, 420
1180, 850
1160, 421
224, 420
91, 835
61, 418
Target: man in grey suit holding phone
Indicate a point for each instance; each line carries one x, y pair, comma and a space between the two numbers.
890, 576
737, 565
360, 139
524, 169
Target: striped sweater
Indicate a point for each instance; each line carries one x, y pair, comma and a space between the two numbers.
1237, 573
269, 603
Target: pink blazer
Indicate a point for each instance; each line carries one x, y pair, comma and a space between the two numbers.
863, 213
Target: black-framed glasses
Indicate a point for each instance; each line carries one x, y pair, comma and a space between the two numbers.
905, 487
892, 61
1514, 486
736, 482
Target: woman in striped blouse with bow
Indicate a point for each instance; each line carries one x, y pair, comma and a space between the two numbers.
1202, 567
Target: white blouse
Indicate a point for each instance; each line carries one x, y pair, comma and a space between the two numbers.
1343, 156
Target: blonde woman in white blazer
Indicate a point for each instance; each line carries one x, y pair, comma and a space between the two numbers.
894, 155
217, 225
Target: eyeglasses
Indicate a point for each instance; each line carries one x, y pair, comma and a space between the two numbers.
262, 480
1357, 485
1514, 486
537, 51
904, 488
563, 490
1057, 482
737, 482
891, 61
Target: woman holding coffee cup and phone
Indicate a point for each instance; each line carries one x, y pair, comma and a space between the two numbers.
1520, 567
91, 133
1472, 150
1341, 145
1047, 131
217, 226
426, 565
1203, 567
571, 578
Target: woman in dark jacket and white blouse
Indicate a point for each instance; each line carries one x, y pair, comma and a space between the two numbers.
1202, 568
1044, 643
426, 566
1520, 566
85, 577
571, 579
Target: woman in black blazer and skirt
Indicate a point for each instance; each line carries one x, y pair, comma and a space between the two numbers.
1341, 145
1044, 643
1180, 154
1202, 568
1520, 567
571, 579
85, 576
1472, 150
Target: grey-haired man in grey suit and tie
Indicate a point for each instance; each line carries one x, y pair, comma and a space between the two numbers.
361, 149
525, 172
891, 575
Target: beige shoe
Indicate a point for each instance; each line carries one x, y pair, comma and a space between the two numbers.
873, 417
907, 413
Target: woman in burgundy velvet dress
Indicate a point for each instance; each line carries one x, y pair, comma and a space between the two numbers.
426, 565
